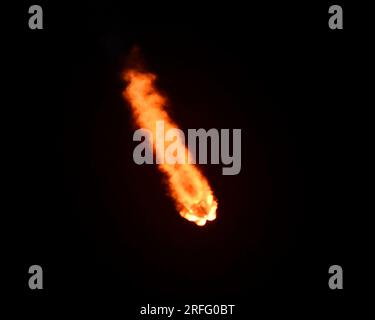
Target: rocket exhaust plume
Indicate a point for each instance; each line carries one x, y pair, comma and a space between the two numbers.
186, 184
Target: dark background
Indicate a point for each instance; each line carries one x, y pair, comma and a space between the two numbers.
103, 229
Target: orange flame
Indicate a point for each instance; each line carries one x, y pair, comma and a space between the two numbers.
188, 187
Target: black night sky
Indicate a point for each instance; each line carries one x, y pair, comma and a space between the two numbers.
103, 228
